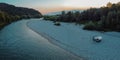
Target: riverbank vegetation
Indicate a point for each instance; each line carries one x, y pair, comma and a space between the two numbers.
106, 18
52, 18
11, 13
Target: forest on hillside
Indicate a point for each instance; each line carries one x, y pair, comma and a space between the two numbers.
106, 18
10, 13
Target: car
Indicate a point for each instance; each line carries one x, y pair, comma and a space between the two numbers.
97, 38
57, 23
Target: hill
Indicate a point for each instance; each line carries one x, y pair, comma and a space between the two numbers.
59, 12
21, 11
10, 13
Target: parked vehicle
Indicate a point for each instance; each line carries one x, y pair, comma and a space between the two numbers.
57, 23
97, 38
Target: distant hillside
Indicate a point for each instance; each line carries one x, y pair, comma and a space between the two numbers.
59, 12
10, 13
21, 11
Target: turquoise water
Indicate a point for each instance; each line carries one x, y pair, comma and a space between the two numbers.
18, 42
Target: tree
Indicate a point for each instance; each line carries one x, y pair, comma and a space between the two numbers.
90, 26
70, 17
2, 16
77, 16
109, 4
103, 21
63, 17
63, 13
118, 21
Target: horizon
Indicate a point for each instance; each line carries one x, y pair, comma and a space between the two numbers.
48, 6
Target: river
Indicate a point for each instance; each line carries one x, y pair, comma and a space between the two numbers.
18, 42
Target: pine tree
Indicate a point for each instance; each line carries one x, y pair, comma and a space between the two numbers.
109, 4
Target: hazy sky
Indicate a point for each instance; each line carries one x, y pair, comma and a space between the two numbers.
46, 6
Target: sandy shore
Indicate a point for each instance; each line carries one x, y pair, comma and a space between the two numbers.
54, 42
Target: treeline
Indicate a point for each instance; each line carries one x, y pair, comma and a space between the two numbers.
106, 18
52, 17
10, 13
103, 19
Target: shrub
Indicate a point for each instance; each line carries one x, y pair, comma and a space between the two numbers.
90, 26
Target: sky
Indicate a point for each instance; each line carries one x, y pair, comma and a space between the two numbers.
46, 6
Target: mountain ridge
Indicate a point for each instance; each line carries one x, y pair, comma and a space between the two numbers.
10, 13
14, 10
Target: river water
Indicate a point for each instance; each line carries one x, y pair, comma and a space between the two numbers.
18, 42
